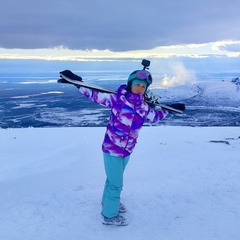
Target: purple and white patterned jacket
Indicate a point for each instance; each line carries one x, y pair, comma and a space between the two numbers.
129, 111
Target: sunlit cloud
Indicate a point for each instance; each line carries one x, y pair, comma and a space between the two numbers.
229, 49
180, 75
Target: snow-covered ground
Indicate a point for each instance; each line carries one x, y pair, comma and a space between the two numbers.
182, 183
223, 93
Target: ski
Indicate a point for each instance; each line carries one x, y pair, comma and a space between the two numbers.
65, 79
83, 84
169, 108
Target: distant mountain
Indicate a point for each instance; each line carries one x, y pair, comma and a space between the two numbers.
209, 93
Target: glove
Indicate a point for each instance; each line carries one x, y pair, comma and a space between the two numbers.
179, 106
71, 75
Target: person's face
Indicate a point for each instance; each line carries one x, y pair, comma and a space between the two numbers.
138, 88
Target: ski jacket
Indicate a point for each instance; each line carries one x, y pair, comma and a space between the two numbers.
129, 111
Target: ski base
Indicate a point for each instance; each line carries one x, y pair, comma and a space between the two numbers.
65, 79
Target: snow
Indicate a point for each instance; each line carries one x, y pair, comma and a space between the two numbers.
213, 91
180, 183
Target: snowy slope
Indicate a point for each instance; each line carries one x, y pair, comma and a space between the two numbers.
224, 93
182, 183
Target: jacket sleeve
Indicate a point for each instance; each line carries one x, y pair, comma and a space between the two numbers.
104, 99
154, 115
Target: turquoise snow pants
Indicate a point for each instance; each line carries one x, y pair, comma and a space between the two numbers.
114, 168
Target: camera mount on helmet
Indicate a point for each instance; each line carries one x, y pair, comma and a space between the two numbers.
146, 64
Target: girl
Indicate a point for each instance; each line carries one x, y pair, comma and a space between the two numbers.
129, 111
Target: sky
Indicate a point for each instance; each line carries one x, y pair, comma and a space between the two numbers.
77, 29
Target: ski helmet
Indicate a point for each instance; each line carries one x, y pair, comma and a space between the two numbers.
141, 76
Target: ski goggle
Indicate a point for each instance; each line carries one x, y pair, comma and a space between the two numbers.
141, 75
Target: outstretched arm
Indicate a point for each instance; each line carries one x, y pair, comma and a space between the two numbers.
101, 98
154, 115
104, 99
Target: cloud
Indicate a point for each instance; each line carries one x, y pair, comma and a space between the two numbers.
181, 76
228, 46
116, 25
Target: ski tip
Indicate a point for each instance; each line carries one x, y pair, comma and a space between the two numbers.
61, 80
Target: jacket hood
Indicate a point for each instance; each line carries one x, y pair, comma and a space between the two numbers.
133, 98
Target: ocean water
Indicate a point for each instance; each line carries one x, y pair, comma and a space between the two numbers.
37, 100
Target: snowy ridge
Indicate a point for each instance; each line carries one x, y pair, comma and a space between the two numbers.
223, 93
51, 182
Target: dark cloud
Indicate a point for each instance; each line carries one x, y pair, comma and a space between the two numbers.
116, 25
233, 47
